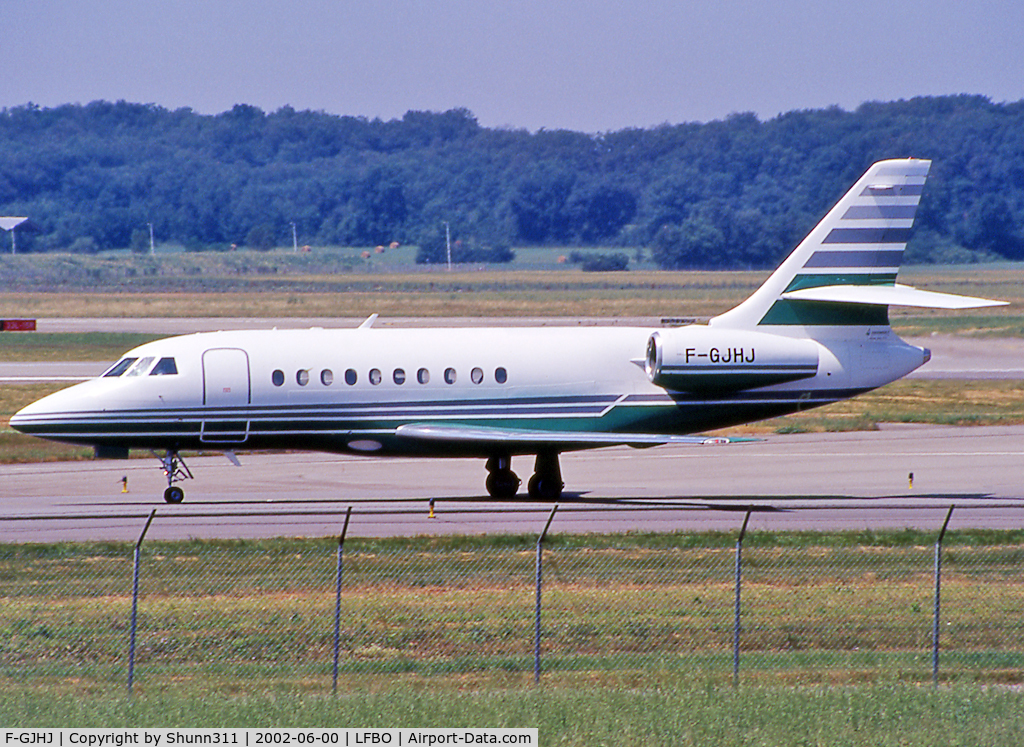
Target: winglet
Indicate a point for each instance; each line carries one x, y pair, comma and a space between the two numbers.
369, 321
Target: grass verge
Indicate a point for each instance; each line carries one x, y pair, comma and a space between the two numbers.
931, 401
68, 346
903, 716
449, 614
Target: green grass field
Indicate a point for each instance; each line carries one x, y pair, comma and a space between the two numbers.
438, 632
250, 617
882, 716
69, 346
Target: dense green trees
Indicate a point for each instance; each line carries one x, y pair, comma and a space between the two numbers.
732, 193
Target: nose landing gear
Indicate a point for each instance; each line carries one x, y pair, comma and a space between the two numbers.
174, 494
176, 470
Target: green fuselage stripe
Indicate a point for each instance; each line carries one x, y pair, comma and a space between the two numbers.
823, 314
818, 313
679, 414
819, 281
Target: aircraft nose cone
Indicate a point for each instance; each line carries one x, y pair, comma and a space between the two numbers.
33, 419
23, 419
30, 417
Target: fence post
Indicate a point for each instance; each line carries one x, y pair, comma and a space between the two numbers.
938, 589
536, 621
337, 601
135, 604
736, 616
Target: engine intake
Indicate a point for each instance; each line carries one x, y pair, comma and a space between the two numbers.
702, 359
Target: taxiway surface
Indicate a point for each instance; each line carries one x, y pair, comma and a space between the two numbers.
841, 481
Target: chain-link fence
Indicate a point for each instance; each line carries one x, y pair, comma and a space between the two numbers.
307, 615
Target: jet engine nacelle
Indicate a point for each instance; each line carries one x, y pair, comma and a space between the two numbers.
704, 359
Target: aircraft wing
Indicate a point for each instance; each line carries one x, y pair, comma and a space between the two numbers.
441, 432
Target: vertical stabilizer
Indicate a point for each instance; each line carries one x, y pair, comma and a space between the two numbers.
859, 243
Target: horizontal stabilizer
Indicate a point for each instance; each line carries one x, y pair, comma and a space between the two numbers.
541, 438
888, 295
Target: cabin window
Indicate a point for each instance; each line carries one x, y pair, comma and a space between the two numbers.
165, 367
423, 376
375, 377
500, 375
277, 378
141, 366
399, 376
120, 367
476, 375
449, 376
327, 377
351, 377
302, 377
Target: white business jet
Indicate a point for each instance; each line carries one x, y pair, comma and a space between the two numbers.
816, 332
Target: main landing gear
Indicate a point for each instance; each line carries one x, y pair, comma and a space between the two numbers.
545, 485
176, 470
502, 482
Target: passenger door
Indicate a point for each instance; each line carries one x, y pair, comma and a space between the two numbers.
227, 392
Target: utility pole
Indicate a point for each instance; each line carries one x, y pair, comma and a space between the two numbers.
448, 244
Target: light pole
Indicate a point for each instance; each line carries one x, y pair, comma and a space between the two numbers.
152, 244
295, 238
448, 244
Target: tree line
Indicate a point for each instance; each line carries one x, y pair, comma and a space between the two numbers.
738, 192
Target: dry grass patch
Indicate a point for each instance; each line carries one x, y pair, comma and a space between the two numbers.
508, 293
934, 401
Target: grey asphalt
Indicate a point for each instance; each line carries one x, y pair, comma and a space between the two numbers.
792, 482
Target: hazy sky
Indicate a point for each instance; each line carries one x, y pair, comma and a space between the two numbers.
589, 65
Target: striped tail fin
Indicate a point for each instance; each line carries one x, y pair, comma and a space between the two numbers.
843, 274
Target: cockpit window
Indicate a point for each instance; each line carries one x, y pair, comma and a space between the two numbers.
141, 366
120, 367
166, 367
